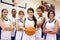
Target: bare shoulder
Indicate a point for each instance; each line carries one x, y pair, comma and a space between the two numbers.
56, 21
0, 19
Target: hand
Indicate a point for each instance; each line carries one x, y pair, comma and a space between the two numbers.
23, 29
7, 28
36, 29
48, 30
37, 25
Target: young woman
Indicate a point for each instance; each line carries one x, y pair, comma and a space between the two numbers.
20, 26
40, 22
30, 21
6, 26
51, 26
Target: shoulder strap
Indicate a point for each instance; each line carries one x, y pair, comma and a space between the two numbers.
55, 21
24, 21
9, 19
42, 24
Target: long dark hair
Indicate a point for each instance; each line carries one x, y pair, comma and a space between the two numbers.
33, 16
34, 21
49, 13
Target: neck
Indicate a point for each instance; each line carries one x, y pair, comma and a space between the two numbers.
3, 17
51, 19
30, 17
40, 16
14, 16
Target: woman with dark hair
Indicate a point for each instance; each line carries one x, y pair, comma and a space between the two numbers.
6, 26
30, 21
40, 22
20, 26
51, 26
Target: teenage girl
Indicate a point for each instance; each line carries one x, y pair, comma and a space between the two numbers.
20, 26
51, 26
30, 21
6, 26
40, 22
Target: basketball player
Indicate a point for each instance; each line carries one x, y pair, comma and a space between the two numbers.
51, 26
40, 22
20, 26
13, 19
6, 26
30, 21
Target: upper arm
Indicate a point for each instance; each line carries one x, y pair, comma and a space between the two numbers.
16, 23
2, 24
44, 25
56, 26
42, 20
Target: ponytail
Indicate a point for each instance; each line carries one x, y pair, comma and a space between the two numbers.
34, 21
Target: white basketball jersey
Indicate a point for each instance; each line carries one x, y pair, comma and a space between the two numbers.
20, 23
50, 26
29, 22
6, 35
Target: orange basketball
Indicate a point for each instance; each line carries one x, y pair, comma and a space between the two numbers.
30, 30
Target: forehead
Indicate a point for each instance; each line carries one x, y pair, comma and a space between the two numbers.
30, 11
14, 10
5, 10
51, 12
39, 10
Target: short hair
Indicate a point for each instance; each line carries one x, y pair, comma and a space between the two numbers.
49, 13
13, 9
41, 7
30, 9
21, 12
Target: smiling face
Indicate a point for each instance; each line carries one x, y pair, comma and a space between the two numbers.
39, 12
30, 13
21, 14
13, 12
51, 14
5, 13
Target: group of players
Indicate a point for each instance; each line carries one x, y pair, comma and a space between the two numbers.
14, 29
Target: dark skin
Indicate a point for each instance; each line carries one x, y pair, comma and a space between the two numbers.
14, 13
40, 14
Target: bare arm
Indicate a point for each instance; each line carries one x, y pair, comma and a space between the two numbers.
41, 22
18, 27
2, 25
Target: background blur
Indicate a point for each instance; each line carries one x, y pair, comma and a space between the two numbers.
34, 4
31, 3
